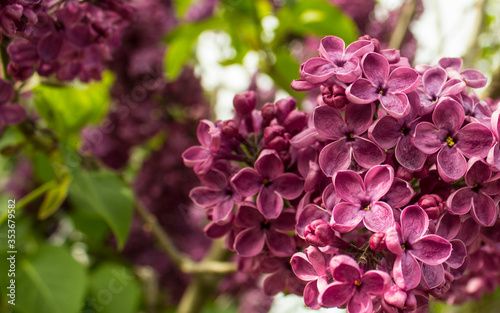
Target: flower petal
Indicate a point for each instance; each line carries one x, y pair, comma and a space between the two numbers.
288, 185
247, 182
329, 122
428, 138
269, 203
386, 132
406, 272
362, 91
331, 48
358, 117
396, 104
477, 173
433, 275
408, 155
311, 295
206, 197
448, 226
345, 269
309, 214
269, 164
474, 78
403, 79
431, 249
484, 211
451, 164
336, 294
474, 140
302, 267
249, 242
460, 202
248, 217
317, 70
379, 217
375, 282
195, 155
458, 254
349, 186
361, 303
376, 68
448, 115
280, 244
400, 193
414, 223
433, 79
366, 153
378, 181
334, 157
346, 217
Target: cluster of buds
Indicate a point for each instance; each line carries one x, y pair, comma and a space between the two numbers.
386, 194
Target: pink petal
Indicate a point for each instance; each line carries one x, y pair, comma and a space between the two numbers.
448, 226
361, 303
494, 156
474, 140
452, 87
477, 173
302, 268
285, 222
358, 117
309, 214
408, 155
458, 254
414, 223
249, 242
484, 211
349, 72
195, 155
280, 244
403, 79
454, 63
375, 68
288, 185
311, 295
379, 217
215, 231
393, 241
329, 122
378, 181
248, 217
400, 193
406, 272
396, 104
451, 164
302, 85
317, 70
366, 153
349, 186
474, 78
433, 79
331, 48
318, 260
362, 91
336, 294
346, 217
223, 211
428, 138
247, 182
460, 202
448, 115
334, 157
386, 132
206, 197
203, 133
269, 164
274, 284
469, 231
433, 275
345, 269
358, 49
269, 203
375, 282
395, 296
431, 249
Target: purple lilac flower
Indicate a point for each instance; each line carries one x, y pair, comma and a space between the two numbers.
452, 141
362, 199
472, 78
347, 135
269, 182
410, 244
352, 286
390, 88
476, 197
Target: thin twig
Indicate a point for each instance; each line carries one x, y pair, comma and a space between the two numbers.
404, 20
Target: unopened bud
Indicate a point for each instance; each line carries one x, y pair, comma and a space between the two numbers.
284, 107
432, 204
229, 129
295, 121
334, 96
377, 242
244, 103
319, 233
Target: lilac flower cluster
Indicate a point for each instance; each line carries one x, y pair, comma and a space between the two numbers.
390, 187
70, 39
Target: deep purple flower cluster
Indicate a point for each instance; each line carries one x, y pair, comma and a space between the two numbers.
70, 39
391, 185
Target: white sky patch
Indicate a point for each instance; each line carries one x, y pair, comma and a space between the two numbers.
295, 304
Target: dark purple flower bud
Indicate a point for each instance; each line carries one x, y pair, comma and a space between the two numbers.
319, 233
244, 103
334, 96
272, 132
432, 204
284, 107
267, 112
295, 121
229, 128
377, 241
278, 144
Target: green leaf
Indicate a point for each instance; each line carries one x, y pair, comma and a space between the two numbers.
54, 198
107, 195
67, 109
113, 288
50, 282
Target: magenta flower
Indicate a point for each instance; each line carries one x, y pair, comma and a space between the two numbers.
201, 157
389, 131
452, 141
476, 197
257, 231
410, 244
269, 182
335, 61
472, 78
362, 199
347, 137
219, 195
353, 287
312, 267
436, 85
389, 89
494, 153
